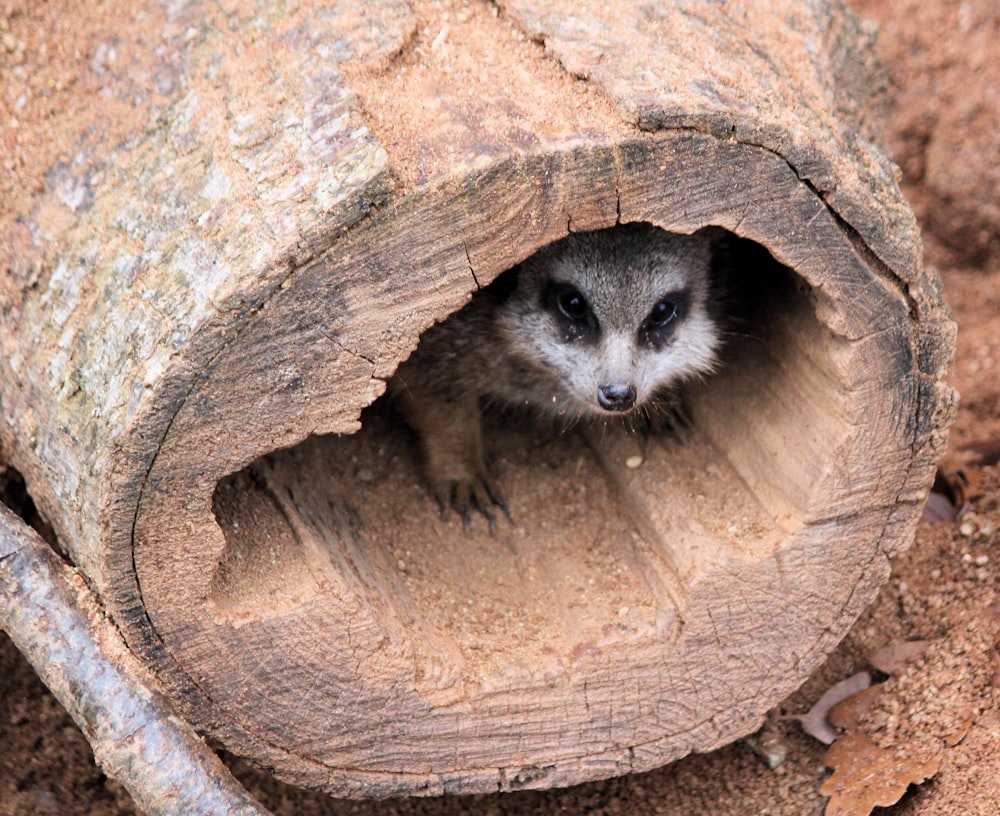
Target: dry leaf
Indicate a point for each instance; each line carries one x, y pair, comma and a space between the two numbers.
890, 659
815, 722
865, 776
848, 713
961, 732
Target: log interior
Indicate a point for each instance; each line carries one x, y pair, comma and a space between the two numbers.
600, 557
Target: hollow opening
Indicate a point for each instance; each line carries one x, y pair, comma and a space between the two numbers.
608, 534
15, 496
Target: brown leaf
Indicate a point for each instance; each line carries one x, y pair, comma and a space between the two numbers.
961, 732
815, 722
848, 713
890, 659
865, 776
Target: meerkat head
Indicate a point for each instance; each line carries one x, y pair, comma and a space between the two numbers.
606, 319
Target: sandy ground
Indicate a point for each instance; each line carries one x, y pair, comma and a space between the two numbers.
935, 715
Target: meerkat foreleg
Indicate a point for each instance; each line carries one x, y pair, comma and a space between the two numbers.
452, 442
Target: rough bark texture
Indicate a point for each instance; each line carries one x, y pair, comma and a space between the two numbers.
314, 187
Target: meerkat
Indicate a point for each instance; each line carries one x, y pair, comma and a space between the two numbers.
595, 325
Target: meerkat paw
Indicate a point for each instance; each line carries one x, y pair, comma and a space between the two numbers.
465, 494
454, 461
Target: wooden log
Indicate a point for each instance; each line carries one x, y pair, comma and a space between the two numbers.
196, 313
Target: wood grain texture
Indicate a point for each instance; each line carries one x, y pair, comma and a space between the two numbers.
208, 305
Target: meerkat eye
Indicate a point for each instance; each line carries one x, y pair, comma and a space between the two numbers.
570, 303
662, 313
575, 319
658, 328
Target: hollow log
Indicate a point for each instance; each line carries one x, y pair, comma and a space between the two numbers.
208, 293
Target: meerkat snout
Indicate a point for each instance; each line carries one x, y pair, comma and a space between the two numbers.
616, 397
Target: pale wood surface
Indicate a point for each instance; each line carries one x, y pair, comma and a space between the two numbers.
319, 187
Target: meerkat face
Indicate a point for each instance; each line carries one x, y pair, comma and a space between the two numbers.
606, 319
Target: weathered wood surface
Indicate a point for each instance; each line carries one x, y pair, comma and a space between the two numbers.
313, 189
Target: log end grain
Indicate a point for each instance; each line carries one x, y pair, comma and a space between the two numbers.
578, 641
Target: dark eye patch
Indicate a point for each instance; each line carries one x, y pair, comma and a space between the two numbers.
572, 312
658, 327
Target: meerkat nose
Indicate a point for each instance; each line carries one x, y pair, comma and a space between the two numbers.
616, 396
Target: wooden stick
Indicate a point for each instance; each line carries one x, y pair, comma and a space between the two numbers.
52, 617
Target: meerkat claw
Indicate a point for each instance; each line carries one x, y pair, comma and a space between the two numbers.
463, 496
497, 498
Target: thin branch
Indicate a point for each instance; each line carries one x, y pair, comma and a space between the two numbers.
54, 619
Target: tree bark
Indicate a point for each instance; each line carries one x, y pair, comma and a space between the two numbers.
190, 340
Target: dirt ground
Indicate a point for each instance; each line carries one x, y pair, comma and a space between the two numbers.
937, 714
